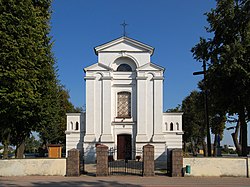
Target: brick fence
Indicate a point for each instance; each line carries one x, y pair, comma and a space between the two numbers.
73, 163
148, 160
102, 160
177, 163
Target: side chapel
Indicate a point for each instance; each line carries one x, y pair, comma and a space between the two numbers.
124, 105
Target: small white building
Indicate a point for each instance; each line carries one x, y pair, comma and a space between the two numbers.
124, 105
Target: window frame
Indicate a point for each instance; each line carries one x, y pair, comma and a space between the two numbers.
129, 105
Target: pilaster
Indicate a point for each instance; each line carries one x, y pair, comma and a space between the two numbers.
106, 135
158, 107
141, 110
90, 110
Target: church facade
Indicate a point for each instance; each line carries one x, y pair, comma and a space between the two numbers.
124, 105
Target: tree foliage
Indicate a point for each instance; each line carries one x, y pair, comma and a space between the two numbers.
193, 121
30, 94
54, 131
227, 54
194, 125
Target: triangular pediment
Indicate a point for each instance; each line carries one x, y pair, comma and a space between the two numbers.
150, 67
97, 67
124, 44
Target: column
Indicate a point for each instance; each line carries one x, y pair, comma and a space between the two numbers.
141, 110
106, 135
90, 110
158, 107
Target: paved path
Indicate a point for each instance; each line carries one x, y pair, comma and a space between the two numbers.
133, 181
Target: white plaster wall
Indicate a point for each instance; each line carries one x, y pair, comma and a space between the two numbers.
90, 110
98, 105
174, 118
173, 140
124, 60
25, 167
109, 58
150, 105
218, 167
72, 118
123, 81
89, 152
74, 138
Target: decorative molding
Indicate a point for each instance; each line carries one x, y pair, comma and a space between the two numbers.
89, 78
158, 78
141, 78
107, 78
180, 133
127, 40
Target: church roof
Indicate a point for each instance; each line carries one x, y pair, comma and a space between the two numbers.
97, 67
150, 67
127, 40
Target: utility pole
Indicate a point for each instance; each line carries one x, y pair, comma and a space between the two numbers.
206, 108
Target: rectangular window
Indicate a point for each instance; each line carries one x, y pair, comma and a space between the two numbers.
124, 105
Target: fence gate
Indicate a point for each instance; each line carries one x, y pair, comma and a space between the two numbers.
124, 166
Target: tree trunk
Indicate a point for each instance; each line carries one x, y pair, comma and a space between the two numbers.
215, 145
244, 144
235, 139
193, 147
204, 145
6, 143
20, 150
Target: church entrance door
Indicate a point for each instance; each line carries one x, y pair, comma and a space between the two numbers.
124, 147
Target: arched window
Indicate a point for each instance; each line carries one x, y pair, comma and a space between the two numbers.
171, 126
77, 126
124, 67
72, 125
166, 126
124, 105
177, 126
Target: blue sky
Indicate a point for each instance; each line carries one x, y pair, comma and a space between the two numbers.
172, 27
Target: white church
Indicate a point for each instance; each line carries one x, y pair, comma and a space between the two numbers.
124, 105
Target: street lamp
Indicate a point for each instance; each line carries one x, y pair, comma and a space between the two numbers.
206, 108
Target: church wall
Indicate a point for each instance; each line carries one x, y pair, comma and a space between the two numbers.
173, 140
75, 132
124, 129
150, 105
175, 118
98, 106
124, 82
90, 109
173, 134
109, 58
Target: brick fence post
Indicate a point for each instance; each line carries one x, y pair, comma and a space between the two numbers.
148, 160
177, 163
73, 163
101, 160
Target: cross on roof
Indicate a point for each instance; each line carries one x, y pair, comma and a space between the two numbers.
124, 24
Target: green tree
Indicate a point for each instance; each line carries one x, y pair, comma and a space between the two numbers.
193, 121
26, 70
54, 131
31, 145
227, 54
